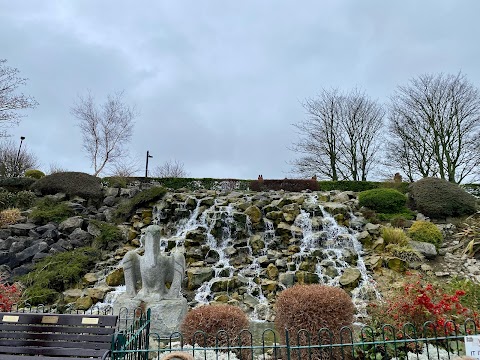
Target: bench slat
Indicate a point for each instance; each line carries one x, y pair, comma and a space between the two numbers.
52, 336
55, 344
57, 329
60, 319
51, 351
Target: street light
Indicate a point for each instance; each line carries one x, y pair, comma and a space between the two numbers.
17, 165
146, 164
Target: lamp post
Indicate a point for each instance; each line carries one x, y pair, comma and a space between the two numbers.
17, 165
146, 164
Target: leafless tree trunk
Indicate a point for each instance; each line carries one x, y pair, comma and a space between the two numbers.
436, 117
10, 100
340, 139
106, 129
14, 163
319, 137
170, 169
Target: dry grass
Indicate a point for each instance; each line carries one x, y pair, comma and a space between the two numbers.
9, 217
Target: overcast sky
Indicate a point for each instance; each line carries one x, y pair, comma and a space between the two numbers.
219, 83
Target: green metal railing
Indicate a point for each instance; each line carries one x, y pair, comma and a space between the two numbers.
357, 343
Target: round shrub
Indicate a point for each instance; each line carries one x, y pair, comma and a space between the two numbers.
25, 199
215, 325
438, 198
35, 174
425, 231
71, 184
312, 308
383, 200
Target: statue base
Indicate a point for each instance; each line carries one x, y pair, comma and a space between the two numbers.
166, 315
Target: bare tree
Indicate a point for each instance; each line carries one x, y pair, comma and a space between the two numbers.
170, 168
15, 161
106, 129
126, 167
55, 168
434, 123
10, 99
340, 138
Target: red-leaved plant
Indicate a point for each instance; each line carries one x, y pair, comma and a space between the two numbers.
9, 295
418, 303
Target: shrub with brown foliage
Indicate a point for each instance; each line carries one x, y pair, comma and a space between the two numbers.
306, 309
216, 325
285, 184
9, 217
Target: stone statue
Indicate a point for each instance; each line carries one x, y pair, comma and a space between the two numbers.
154, 280
154, 270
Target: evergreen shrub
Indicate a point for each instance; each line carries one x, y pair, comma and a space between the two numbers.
23, 199
35, 174
50, 210
426, 231
396, 236
56, 273
143, 198
70, 183
15, 184
438, 198
306, 309
216, 325
285, 184
383, 200
109, 235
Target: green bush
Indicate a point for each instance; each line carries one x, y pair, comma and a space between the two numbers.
56, 273
471, 299
24, 199
383, 200
396, 236
7, 200
311, 308
217, 325
116, 181
108, 237
71, 184
50, 210
425, 231
143, 198
36, 174
17, 183
438, 198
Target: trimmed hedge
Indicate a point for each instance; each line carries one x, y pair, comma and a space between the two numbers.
383, 200
285, 184
16, 184
70, 183
35, 174
438, 198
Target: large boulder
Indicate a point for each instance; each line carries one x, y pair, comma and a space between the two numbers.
71, 224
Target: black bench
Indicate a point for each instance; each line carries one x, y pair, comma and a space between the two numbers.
55, 336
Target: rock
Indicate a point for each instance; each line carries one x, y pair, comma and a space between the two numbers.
90, 278
5, 233
84, 303
287, 279
30, 252
257, 244
250, 300
115, 278
71, 224
7, 243
111, 191
110, 200
272, 272
21, 229
330, 271
290, 212
373, 229
426, 267
197, 276
350, 278
378, 245
268, 286
365, 238
305, 277
442, 273
254, 213
223, 284
426, 249
96, 294
336, 208
80, 237
71, 295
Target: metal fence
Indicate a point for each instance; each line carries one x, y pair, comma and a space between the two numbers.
134, 341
